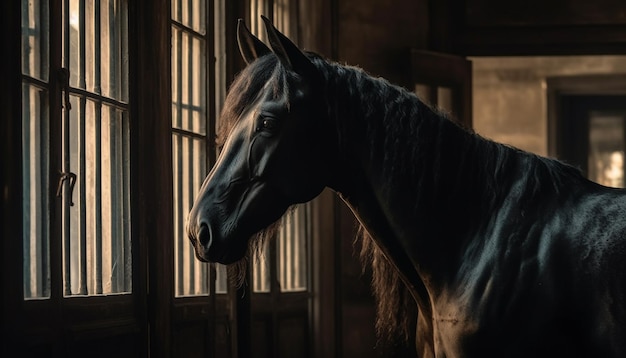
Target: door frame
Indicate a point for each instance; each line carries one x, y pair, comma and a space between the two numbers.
586, 85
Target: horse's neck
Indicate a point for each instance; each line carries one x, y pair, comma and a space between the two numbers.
429, 203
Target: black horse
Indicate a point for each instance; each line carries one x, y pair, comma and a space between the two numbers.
505, 253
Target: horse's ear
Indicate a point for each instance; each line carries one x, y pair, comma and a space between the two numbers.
287, 52
250, 46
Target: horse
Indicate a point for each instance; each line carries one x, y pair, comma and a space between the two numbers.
503, 252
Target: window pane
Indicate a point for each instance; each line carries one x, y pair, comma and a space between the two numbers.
261, 270
189, 165
98, 252
292, 257
606, 149
35, 39
190, 118
221, 279
114, 50
35, 149
191, 14
36, 167
96, 47
79, 54
258, 8
189, 105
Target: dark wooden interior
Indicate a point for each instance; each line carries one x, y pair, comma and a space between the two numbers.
337, 318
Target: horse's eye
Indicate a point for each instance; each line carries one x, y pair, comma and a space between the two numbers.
267, 124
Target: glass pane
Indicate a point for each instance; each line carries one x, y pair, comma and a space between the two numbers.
96, 47
98, 252
35, 39
261, 270
190, 116
189, 105
292, 250
79, 50
283, 13
221, 280
606, 149
35, 149
191, 14
258, 8
189, 165
36, 167
113, 57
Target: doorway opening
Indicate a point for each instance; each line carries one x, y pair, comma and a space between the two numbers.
569, 107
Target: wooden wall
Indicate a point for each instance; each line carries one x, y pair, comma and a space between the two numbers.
377, 35
539, 27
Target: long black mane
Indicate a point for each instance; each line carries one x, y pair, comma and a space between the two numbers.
414, 144
417, 148
413, 141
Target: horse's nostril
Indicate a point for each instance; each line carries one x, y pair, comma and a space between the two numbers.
204, 235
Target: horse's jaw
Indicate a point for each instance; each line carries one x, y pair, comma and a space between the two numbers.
220, 230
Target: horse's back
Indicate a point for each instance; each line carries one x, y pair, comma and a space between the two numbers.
559, 290
600, 244
586, 257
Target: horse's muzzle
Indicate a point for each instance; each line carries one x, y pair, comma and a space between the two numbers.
204, 242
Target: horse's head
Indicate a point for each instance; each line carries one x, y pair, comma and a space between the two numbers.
275, 154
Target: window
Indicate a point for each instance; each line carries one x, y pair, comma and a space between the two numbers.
96, 145
290, 252
194, 88
92, 150
102, 87
193, 127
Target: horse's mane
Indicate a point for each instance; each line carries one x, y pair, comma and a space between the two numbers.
389, 119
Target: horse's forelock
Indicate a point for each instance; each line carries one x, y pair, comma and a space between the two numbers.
245, 89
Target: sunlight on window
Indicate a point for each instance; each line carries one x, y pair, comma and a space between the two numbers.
292, 250
94, 181
261, 270
36, 166
96, 149
190, 132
